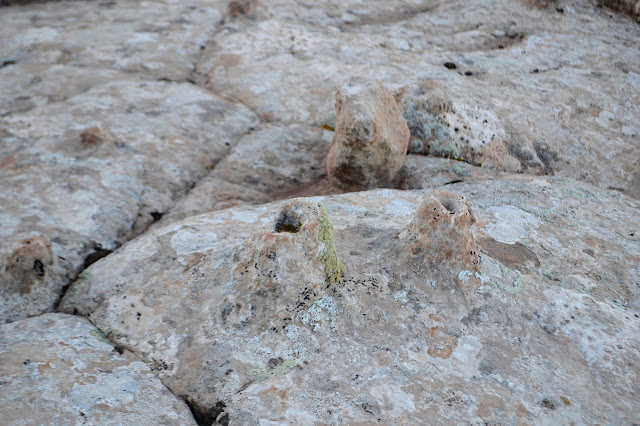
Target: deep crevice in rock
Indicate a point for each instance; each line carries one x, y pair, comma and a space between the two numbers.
207, 416
97, 254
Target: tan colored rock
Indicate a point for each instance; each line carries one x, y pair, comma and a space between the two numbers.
91, 171
27, 265
244, 8
371, 137
440, 237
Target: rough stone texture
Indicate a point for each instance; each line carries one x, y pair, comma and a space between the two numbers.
631, 7
92, 171
438, 129
424, 106
371, 137
59, 369
553, 83
440, 236
267, 164
118, 118
548, 315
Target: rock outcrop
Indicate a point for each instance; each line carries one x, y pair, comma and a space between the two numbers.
164, 186
371, 137
440, 237
275, 340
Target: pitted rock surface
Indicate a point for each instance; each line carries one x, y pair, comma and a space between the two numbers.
120, 118
440, 236
281, 343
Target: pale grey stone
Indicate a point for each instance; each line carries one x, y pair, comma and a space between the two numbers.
59, 369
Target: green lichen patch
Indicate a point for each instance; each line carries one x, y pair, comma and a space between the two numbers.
99, 335
334, 269
261, 375
431, 129
447, 148
460, 170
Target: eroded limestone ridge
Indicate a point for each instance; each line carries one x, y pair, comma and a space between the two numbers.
371, 137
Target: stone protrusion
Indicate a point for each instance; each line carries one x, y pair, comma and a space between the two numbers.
371, 137
91, 136
28, 264
312, 222
296, 255
424, 105
440, 235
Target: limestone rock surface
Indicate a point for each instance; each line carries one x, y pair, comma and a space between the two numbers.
238, 315
371, 137
547, 84
119, 120
59, 369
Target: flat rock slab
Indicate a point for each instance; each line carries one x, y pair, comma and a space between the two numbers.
59, 369
164, 40
238, 318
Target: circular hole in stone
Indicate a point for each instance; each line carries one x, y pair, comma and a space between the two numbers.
449, 205
290, 220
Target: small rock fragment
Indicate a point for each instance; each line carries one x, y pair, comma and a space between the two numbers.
27, 264
371, 137
440, 236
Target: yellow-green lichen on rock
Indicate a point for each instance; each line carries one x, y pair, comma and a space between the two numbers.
333, 267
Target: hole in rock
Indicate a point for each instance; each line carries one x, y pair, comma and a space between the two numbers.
449, 205
289, 221
38, 266
207, 416
156, 216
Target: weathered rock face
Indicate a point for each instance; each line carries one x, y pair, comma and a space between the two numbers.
59, 369
279, 342
549, 83
424, 106
371, 137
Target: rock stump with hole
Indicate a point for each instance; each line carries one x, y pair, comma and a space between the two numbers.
440, 236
